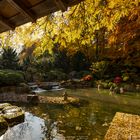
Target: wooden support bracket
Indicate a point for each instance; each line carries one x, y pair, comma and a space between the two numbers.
22, 9
6, 23
61, 5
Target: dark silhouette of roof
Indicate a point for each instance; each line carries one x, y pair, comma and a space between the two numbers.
14, 13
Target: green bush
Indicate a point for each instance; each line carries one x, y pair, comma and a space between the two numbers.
125, 78
107, 84
55, 75
99, 68
9, 77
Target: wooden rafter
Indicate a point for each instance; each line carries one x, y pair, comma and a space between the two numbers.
41, 8
60, 5
6, 23
21, 8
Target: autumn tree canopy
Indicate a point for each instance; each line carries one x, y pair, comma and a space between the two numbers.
98, 28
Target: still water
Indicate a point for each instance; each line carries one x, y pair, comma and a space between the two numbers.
57, 122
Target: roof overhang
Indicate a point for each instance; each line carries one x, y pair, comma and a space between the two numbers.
14, 13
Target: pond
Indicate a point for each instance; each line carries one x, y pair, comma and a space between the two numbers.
67, 122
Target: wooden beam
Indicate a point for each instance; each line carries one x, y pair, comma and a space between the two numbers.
6, 23
72, 3
60, 5
22, 9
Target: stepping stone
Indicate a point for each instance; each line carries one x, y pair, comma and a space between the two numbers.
124, 127
13, 115
9, 116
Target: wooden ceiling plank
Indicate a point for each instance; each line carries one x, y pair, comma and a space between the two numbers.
6, 23
61, 5
22, 9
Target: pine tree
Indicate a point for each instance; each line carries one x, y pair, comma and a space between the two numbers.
9, 59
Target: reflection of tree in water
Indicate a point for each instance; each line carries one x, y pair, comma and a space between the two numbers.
83, 121
50, 128
18, 132
34, 128
52, 131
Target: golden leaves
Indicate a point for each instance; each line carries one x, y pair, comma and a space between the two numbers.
76, 26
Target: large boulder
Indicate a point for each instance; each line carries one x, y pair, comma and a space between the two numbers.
13, 115
9, 116
3, 105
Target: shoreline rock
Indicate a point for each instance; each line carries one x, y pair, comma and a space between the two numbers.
34, 99
9, 116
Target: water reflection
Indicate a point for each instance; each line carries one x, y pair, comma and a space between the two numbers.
68, 122
31, 129
34, 128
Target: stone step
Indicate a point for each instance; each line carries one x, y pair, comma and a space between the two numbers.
124, 127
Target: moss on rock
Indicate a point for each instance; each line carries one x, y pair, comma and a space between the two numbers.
9, 116
13, 115
3, 105
13, 118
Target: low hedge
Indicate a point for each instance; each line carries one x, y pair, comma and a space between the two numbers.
10, 77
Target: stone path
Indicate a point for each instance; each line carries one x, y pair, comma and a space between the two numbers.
124, 127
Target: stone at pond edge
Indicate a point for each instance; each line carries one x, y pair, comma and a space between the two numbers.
11, 109
4, 105
124, 127
14, 118
3, 125
13, 115
9, 116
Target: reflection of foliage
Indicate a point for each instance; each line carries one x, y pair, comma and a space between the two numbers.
82, 121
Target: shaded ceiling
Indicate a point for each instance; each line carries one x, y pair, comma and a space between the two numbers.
14, 13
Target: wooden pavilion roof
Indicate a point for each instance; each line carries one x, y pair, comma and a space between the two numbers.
14, 13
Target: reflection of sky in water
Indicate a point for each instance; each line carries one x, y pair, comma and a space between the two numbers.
33, 129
